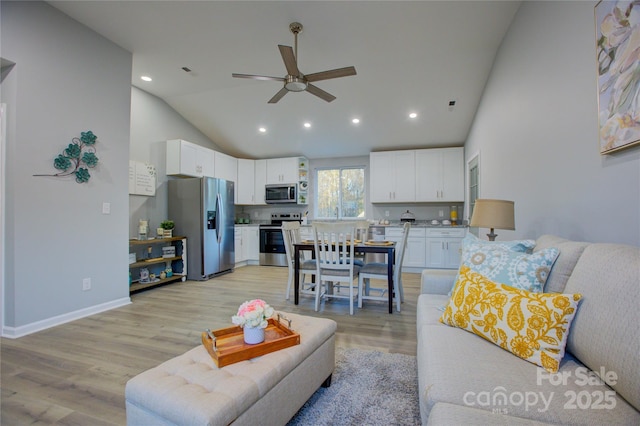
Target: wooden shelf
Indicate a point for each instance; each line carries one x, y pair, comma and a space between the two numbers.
142, 263
177, 262
135, 242
135, 287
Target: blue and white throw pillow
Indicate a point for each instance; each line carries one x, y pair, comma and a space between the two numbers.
474, 247
520, 270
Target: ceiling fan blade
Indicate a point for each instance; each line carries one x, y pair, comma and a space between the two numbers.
278, 96
257, 77
326, 75
289, 60
315, 90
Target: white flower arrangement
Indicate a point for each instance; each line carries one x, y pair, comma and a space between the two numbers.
253, 313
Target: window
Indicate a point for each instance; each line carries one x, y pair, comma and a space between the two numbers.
340, 193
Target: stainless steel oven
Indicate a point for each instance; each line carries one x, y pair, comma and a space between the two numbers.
272, 251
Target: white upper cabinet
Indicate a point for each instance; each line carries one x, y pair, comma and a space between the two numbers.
245, 186
188, 159
282, 170
252, 175
392, 176
192, 160
440, 175
208, 161
260, 180
226, 167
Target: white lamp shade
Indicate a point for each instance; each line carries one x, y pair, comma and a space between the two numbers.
498, 214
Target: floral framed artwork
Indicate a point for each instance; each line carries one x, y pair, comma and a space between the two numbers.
618, 62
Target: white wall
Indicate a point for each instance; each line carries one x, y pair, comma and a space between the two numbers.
153, 122
537, 135
67, 79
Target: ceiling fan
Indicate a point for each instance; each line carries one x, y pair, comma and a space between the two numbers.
295, 81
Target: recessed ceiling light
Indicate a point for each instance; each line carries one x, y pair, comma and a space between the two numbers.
262, 129
146, 78
355, 121
413, 115
307, 125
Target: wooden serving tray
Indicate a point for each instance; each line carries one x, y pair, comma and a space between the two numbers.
226, 346
378, 243
311, 242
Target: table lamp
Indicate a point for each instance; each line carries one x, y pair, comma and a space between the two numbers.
493, 214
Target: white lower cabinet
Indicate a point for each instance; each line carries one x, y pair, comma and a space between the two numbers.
238, 245
415, 252
251, 243
444, 247
414, 255
247, 240
438, 248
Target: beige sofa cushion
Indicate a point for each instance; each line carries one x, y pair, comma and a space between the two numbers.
605, 331
449, 414
460, 368
570, 252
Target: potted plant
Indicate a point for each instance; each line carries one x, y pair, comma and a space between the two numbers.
252, 317
167, 226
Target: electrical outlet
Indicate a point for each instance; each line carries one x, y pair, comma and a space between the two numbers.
441, 213
86, 284
106, 208
255, 214
386, 213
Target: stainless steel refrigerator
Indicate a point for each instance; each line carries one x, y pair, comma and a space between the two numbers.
203, 211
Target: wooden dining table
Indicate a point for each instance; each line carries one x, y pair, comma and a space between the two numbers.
388, 248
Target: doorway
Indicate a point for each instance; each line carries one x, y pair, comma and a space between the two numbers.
473, 172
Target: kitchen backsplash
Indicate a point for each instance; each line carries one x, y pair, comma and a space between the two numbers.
262, 214
421, 211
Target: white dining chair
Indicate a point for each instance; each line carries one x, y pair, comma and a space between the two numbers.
291, 236
335, 269
379, 271
362, 229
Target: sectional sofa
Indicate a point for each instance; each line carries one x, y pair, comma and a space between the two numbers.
466, 379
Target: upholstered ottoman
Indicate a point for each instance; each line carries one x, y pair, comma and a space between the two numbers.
191, 390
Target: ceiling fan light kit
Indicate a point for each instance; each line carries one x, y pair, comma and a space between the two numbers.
296, 81
295, 84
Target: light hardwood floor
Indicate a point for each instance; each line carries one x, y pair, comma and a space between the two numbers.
75, 374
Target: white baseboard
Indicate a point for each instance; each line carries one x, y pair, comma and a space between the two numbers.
247, 262
16, 332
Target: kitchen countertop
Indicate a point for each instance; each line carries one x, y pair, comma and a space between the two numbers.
416, 224
422, 224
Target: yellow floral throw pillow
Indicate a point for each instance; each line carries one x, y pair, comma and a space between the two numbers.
533, 326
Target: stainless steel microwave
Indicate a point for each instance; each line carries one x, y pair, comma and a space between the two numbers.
281, 193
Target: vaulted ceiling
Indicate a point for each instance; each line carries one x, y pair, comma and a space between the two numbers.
410, 56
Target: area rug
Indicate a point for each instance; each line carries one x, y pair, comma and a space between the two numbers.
367, 388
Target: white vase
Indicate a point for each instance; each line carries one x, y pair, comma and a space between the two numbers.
253, 335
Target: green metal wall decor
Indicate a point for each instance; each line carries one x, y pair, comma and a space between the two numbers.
80, 152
